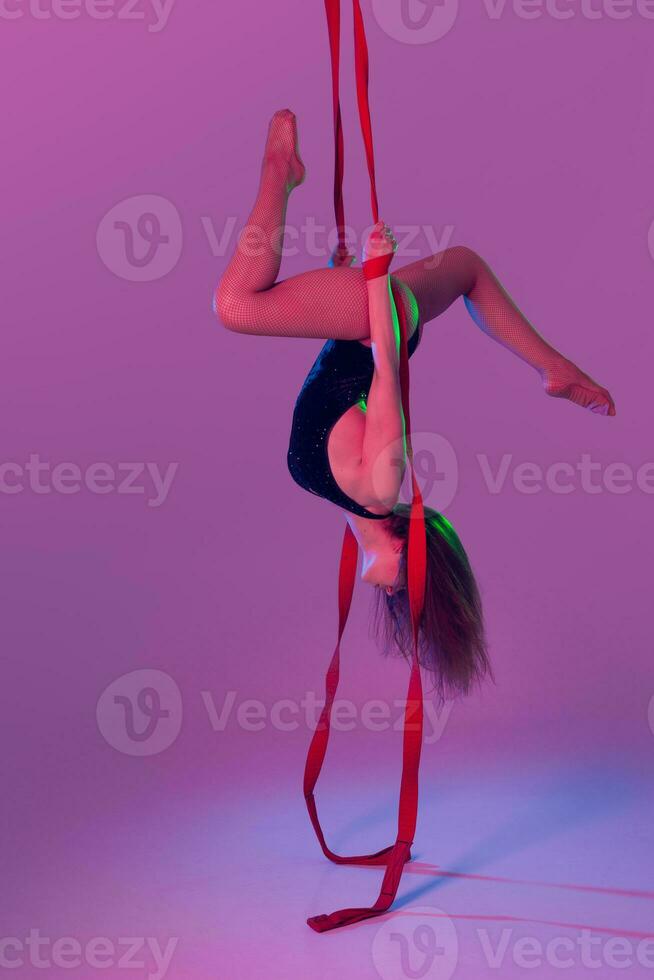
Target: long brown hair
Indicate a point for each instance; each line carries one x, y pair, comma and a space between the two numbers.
451, 641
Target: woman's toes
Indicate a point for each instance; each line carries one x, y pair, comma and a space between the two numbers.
282, 147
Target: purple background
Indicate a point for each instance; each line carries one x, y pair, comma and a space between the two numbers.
531, 140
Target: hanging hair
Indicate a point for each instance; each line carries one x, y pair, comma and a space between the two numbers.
451, 641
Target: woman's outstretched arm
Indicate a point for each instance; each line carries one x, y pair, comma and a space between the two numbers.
437, 281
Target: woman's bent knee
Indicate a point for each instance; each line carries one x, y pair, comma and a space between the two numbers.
227, 308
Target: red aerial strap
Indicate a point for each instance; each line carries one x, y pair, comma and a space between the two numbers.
333, 10
377, 267
396, 855
361, 63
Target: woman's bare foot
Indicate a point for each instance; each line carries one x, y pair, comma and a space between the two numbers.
566, 380
282, 153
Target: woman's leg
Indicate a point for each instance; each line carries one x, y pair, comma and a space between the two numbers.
324, 303
437, 281
333, 303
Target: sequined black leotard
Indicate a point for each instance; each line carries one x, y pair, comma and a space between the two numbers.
340, 378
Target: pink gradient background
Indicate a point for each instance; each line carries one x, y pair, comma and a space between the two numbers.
533, 139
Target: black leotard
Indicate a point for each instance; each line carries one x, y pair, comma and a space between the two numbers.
340, 378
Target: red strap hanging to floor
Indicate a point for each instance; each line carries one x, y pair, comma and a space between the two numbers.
396, 855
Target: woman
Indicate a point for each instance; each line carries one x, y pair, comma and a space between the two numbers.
347, 439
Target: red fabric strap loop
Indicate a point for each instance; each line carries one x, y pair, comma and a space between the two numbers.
377, 267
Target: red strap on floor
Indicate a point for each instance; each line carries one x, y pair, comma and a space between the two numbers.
396, 855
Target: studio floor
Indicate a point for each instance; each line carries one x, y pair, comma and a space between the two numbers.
524, 867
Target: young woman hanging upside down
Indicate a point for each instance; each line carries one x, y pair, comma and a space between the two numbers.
348, 419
